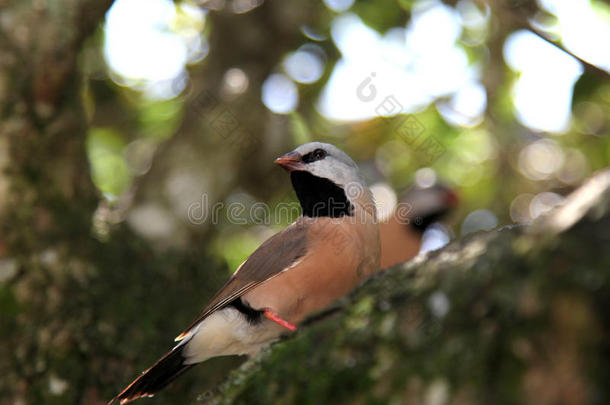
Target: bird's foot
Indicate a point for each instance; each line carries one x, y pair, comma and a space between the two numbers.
276, 318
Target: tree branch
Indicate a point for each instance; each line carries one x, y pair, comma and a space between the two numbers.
588, 66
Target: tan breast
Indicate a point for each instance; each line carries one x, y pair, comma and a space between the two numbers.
342, 252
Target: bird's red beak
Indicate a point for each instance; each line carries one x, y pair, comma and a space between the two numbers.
290, 161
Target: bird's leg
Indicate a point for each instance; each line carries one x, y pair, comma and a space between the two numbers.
276, 318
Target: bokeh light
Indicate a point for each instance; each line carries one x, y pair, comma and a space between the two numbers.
466, 107
385, 200
543, 203
306, 65
245, 6
425, 177
415, 64
479, 220
575, 167
151, 51
543, 92
520, 208
235, 81
582, 30
541, 159
475, 22
435, 237
338, 5
280, 94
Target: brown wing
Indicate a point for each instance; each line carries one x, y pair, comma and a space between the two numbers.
275, 255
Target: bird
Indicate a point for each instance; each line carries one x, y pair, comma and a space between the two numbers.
401, 232
329, 250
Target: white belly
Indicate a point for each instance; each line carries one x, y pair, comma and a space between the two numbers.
228, 332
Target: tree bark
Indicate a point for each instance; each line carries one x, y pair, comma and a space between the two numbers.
78, 315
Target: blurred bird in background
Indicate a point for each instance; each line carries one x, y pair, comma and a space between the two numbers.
402, 232
320, 257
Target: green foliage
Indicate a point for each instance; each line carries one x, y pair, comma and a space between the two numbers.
299, 129
381, 14
235, 248
106, 148
159, 119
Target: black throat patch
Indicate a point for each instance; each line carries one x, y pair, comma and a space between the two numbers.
320, 197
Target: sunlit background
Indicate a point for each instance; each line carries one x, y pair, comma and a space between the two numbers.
513, 137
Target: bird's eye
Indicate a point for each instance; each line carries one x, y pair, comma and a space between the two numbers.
317, 154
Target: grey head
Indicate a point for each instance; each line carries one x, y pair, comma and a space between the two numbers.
323, 160
327, 181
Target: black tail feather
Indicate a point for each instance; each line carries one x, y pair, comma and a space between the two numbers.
163, 372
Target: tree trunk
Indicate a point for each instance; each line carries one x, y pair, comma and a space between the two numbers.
76, 313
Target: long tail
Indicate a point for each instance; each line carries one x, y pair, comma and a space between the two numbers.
164, 371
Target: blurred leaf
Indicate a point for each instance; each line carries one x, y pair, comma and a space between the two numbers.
586, 85
602, 8
159, 119
380, 15
8, 306
236, 247
406, 4
105, 148
300, 130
